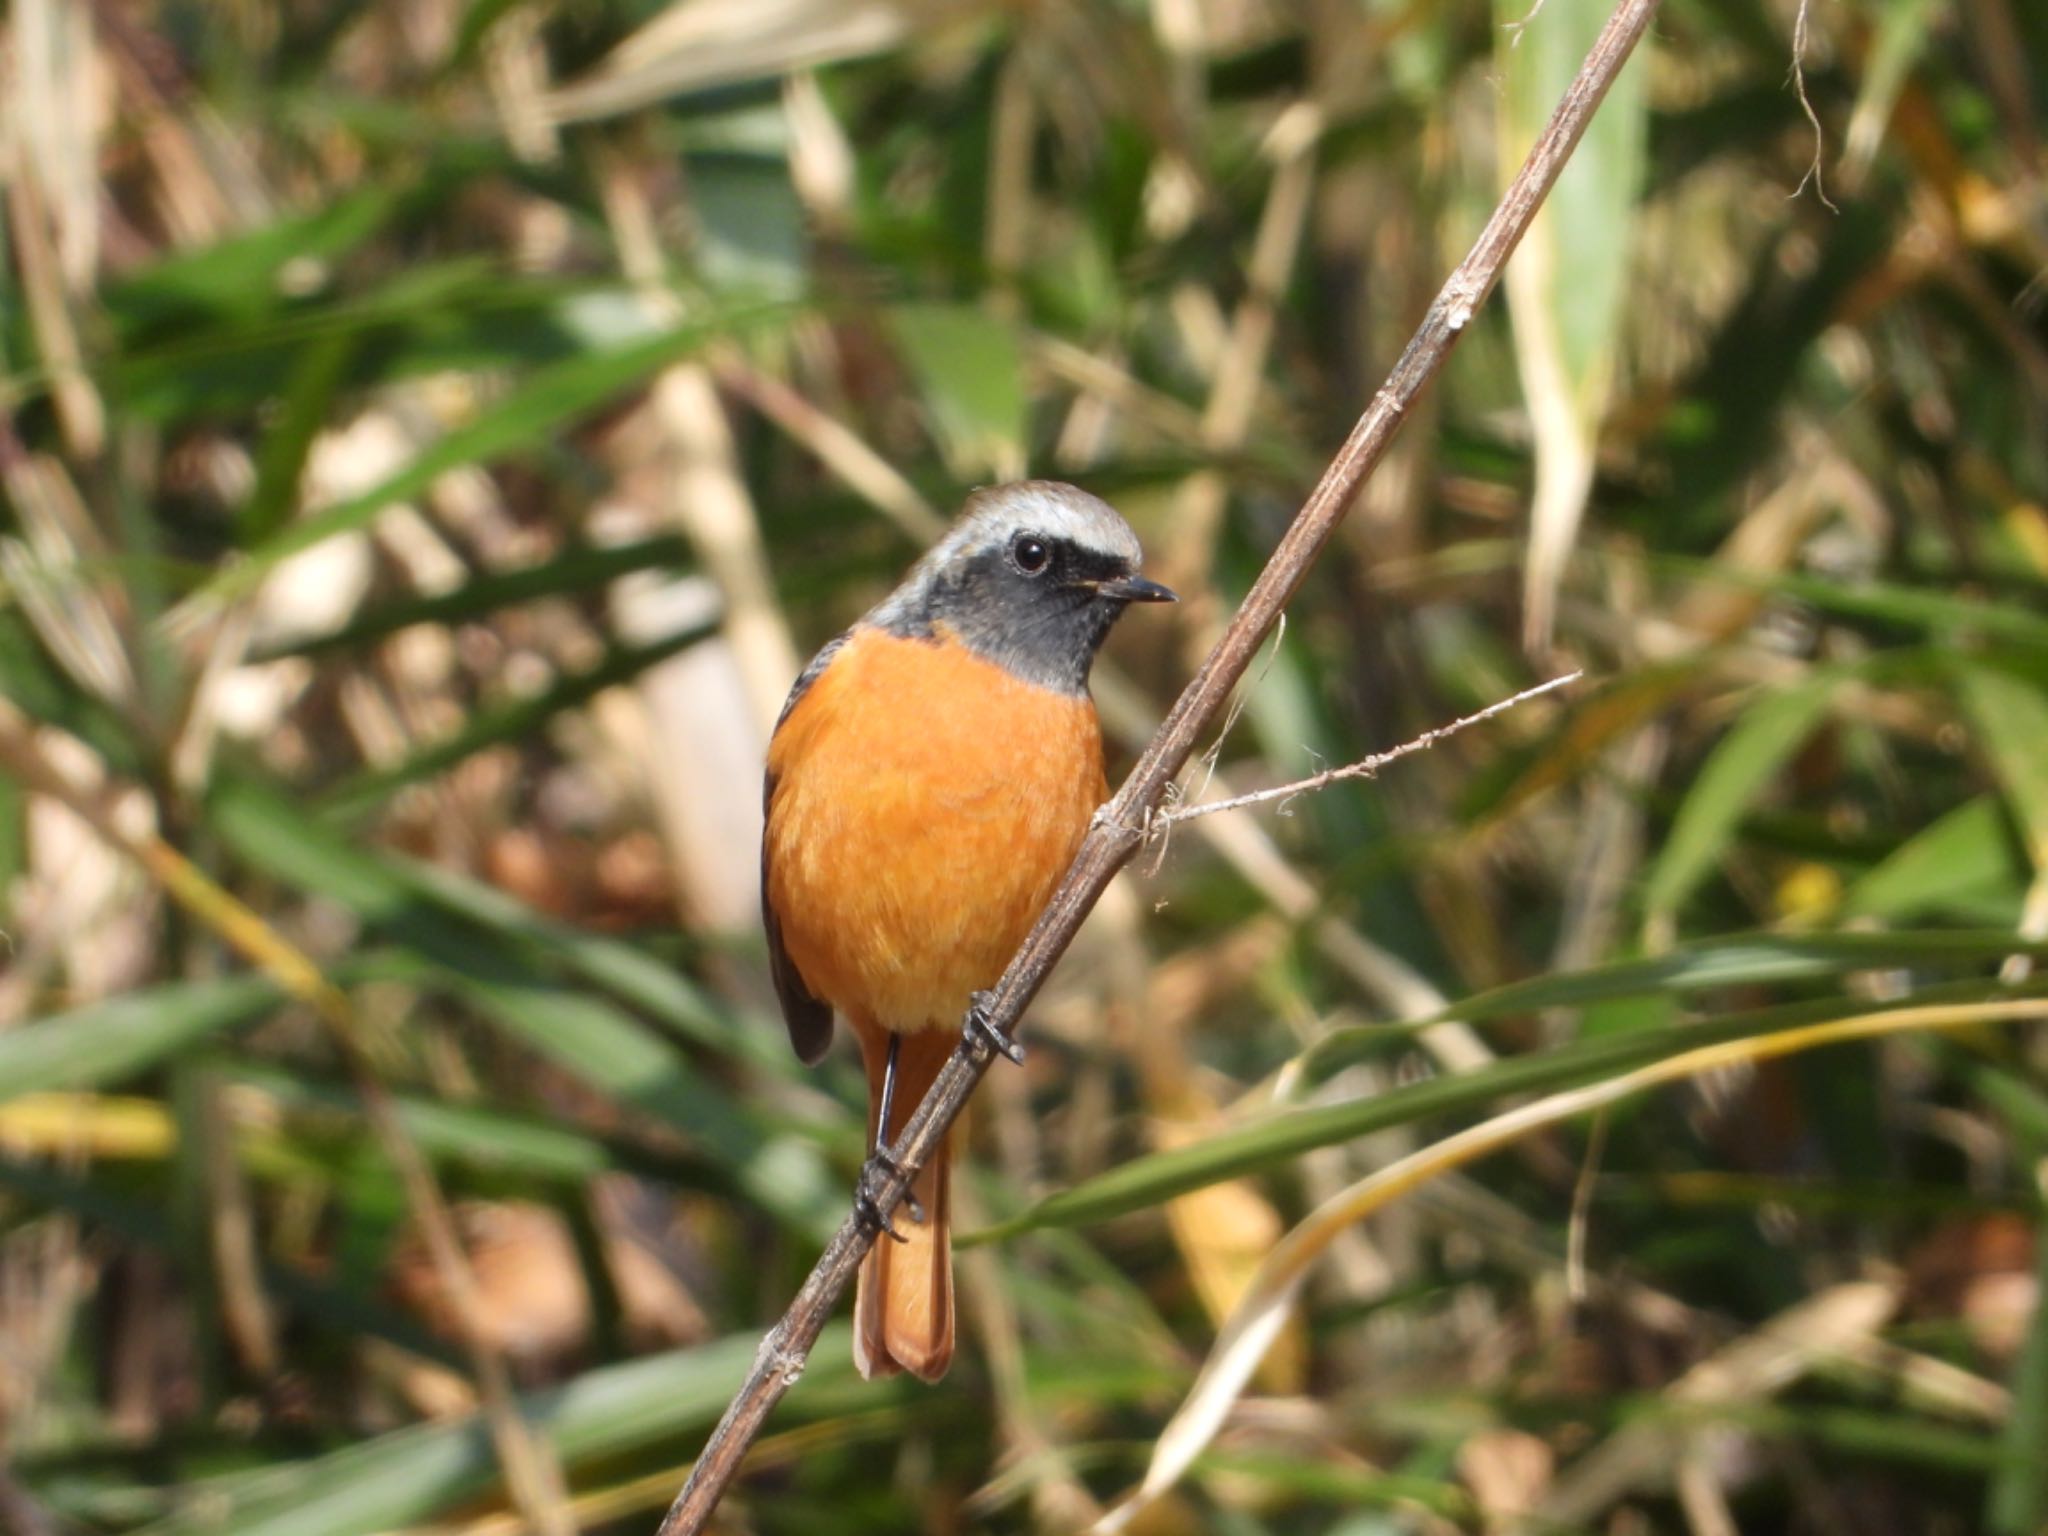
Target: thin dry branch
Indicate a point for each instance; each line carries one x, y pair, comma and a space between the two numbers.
1119, 827
1364, 768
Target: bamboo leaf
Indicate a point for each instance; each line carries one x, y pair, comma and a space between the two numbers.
1568, 281
1738, 770
2018, 1503
2010, 716
1739, 960
107, 1041
969, 369
1967, 853
1276, 1140
583, 1034
411, 1474
541, 404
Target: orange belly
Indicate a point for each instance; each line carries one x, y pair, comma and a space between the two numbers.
926, 803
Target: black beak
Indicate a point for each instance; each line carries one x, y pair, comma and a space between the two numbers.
1135, 589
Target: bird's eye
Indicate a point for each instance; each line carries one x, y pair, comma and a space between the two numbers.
1030, 554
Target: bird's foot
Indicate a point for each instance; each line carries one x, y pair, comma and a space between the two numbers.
875, 1173
981, 1030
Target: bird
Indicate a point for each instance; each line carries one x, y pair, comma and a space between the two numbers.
931, 776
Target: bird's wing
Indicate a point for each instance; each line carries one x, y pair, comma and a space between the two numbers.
808, 1016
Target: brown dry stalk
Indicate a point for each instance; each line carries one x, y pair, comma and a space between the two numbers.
1119, 827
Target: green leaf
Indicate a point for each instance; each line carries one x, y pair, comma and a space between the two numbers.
578, 569
2019, 1491
466, 313
1738, 770
514, 720
281, 460
1276, 1140
629, 974
1568, 281
2010, 716
583, 1034
750, 224
1900, 37
107, 1041
1966, 853
538, 407
1740, 960
969, 367
410, 1474
481, 1137
1939, 614
244, 274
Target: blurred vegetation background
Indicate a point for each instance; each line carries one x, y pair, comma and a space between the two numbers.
432, 432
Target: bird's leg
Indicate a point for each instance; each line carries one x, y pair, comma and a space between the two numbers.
981, 1030
881, 1166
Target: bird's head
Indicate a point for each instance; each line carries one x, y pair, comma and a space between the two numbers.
1032, 576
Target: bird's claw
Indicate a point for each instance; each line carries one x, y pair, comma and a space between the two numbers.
876, 1172
981, 1030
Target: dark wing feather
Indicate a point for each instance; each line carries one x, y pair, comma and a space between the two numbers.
809, 1017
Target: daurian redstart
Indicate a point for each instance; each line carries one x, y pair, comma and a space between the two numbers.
929, 781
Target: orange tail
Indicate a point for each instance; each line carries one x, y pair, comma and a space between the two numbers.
903, 1308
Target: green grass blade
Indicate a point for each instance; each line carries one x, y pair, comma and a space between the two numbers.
1569, 282
2018, 1503
1276, 1140
242, 274
577, 570
1938, 613
1735, 773
2010, 716
515, 720
411, 1474
107, 1041
539, 406
970, 369
1967, 852
485, 1139
1740, 960
629, 974
581, 1033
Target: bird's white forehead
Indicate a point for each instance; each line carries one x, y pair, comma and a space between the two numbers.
1051, 509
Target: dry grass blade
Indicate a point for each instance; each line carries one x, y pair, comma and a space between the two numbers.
1835, 1322
697, 45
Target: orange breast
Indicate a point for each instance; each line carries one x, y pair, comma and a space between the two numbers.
926, 802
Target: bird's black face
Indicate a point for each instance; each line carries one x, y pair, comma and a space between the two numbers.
1038, 604
1033, 577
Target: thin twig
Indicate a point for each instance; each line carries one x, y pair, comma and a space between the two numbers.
1364, 768
1118, 829
1515, 29
1820, 141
